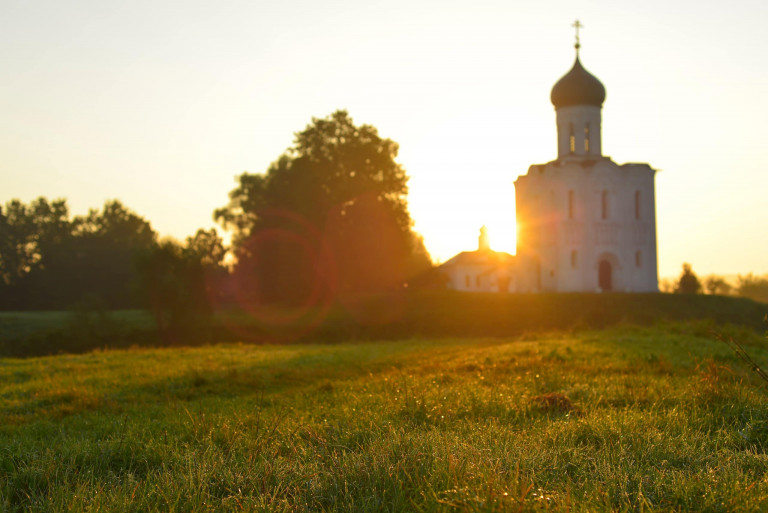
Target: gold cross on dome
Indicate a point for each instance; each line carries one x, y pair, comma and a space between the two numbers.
577, 25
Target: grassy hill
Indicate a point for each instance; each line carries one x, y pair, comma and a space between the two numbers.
661, 417
426, 314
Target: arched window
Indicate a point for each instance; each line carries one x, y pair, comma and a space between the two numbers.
586, 138
574, 257
638, 259
604, 202
570, 204
637, 204
572, 139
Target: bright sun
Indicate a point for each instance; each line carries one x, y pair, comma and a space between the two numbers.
463, 178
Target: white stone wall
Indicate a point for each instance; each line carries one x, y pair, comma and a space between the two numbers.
568, 242
477, 278
467, 278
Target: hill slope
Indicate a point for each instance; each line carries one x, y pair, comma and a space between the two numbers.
428, 314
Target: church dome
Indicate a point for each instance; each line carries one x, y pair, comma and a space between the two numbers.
578, 87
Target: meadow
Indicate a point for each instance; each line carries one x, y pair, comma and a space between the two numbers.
625, 418
422, 314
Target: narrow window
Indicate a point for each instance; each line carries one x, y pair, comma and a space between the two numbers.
573, 258
572, 139
638, 259
466, 281
570, 204
637, 204
586, 138
537, 273
605, 205
477, 281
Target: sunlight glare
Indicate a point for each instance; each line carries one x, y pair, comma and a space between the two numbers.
462, 177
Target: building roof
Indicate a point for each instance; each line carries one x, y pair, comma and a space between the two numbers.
578, 87
484, 257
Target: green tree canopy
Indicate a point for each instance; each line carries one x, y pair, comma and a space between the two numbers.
753, 287
29, 235
688, 283
715, 284
108, 242
48, 260
329, 218
180, 285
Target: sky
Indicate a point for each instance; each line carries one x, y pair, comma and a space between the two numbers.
162, 103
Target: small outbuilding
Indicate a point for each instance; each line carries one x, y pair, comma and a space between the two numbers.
484, 270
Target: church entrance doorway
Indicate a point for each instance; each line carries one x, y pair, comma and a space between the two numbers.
605, 276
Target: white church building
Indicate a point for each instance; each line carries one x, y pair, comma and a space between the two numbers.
584, 222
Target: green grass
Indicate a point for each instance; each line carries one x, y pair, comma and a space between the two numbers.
51, 332
424, 314
626, 418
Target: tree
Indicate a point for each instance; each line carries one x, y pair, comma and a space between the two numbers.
328, 219
29, 235
688, 283
171, 286
181, 284
49, 261
108, 242
717, 285
753, 287
31, 241
206, 249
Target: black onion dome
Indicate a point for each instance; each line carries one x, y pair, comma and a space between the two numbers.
578, 87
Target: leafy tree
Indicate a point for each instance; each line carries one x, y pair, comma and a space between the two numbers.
170, 286
50, 261
29, 235
328, 219
15, 238
714, 284
688, 283
753, 287
207, 249
108, 242
180, 284
31, 238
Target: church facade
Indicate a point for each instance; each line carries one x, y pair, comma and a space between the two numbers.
585, 223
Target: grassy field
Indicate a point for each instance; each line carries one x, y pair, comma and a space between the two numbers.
436, 314
42, 332
626, 418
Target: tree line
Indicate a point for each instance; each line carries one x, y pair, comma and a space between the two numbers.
749, 285
108, 259
327, 222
